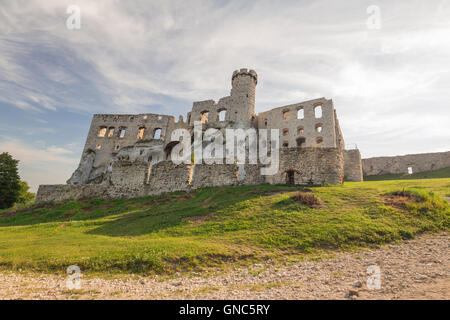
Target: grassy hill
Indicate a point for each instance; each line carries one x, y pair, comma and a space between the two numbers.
435, 174
218, 226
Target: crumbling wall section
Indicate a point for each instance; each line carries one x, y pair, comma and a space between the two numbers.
352, 165
400, 164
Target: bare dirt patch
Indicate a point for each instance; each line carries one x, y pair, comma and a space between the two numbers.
307, 199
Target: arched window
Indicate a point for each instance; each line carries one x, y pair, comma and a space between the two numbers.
222, 114
101, 132
319, 140
300, 113
204, 117
318, 111
285, 144
319, 127
122, 131
300, 130
285, 115
157, 133
285, 132
301, 142
111, 132
141, 133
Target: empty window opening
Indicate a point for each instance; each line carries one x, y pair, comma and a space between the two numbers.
222, 114
102, 132
319, 127
285, 132
410, 170
99, 146
300, 130
159, 118
131, 118
285, 115
111, 132
141, 133
285, 144
318, 111
300, 113
265, 122
319, 140
157, 134
122, 132
145, 117
204, 117
290, 177
301, 142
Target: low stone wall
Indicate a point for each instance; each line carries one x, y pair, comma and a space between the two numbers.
310, 166
399, 164
352, 165
166, 177
63, 192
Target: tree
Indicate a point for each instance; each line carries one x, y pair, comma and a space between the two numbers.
9, 181
25, 196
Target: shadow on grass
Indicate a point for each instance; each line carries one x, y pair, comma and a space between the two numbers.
174, 213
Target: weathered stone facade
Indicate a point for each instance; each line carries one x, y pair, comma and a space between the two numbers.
353, 165
129, 155
400, 164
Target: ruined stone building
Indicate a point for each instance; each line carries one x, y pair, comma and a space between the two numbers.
128, 155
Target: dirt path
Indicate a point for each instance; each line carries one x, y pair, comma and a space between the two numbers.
416, 269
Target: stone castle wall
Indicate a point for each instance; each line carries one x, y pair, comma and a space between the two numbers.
310, 166
353, 165
399, 164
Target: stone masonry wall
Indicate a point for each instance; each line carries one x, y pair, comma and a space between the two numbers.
399, 164
310, 165
352, 165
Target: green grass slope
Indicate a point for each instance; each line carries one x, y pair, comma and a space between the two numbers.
216, 226
435, 174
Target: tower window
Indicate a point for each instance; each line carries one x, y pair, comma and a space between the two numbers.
222, 114
204, 117
111, 132
285, 132
141, 133
157, 134
300, 130
285, 144
122, 132
300, 113
319, 140
285, 115
101, 132
318, 111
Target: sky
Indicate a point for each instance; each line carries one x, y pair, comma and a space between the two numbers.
385, 64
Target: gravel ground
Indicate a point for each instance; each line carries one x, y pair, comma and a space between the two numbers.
414, 269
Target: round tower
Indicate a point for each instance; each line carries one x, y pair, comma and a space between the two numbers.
243, 85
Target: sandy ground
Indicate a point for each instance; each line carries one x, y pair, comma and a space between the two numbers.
414, 269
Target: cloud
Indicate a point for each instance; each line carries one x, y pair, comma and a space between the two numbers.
46, 165
389, 86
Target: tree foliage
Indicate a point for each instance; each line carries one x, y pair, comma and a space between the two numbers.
9, 181
25, 196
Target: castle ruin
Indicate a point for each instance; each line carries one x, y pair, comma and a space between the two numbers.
129, 155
